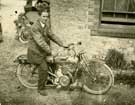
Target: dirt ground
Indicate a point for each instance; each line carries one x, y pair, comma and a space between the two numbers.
11, 92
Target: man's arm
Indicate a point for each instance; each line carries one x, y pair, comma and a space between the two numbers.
37, 36
54, 38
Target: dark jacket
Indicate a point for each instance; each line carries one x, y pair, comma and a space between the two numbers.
39, 44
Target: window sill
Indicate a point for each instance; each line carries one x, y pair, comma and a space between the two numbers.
118, 31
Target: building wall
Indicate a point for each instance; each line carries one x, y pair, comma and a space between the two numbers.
74, 20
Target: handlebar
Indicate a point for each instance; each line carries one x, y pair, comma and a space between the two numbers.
71, 45
70, 51
71, 48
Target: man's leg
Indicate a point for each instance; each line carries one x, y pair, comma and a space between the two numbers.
28, 6
1, 38
43, 68
29, 2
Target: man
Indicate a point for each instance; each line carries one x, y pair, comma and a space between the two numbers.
42, 4
39, 5
29, 2
28, 6
39, 47
1, 38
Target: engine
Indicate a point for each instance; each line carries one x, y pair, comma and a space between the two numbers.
64, 80
72, 59
64, 74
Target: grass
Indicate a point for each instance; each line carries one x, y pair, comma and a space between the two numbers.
20, 100
119, 97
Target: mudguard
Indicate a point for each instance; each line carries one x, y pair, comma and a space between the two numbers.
22, 59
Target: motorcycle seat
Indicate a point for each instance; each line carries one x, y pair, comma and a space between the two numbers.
22, 59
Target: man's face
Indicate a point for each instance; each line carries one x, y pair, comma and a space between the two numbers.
44, 17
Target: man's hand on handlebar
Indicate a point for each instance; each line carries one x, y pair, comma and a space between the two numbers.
50, 59
69, 46
65, 46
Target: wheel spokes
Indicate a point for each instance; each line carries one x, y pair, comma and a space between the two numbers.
97, 79
27, 74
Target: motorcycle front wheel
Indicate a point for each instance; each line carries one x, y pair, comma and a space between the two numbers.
27, 74
97, 77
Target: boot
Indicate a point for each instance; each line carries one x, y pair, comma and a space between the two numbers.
76, 84
42, 92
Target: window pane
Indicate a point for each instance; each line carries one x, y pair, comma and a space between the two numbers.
120, 15
107, 14
131, 6
108, 4
131, 16
118, 12
121, 5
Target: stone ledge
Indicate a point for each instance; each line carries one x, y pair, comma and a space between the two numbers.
123, 72
118, 33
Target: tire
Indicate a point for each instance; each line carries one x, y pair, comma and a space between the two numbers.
97, 77
24, 75
22, 38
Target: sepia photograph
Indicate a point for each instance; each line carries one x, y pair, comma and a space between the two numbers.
67, 52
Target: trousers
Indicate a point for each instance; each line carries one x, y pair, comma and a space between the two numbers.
42, 74
42, 65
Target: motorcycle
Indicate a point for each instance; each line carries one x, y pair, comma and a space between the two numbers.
23, 26
91, 75
25, 20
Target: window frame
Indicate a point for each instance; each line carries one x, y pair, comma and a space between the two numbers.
116, 20
113, 30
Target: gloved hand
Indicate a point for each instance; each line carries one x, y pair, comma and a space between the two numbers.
50, 59
65, 46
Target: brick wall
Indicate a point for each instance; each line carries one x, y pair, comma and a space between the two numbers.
104, 43
74, 20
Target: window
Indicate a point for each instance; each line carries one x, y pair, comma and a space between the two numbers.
118, 12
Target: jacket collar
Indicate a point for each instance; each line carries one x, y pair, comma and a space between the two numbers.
40, 25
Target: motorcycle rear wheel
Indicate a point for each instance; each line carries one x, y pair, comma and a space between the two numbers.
26, 76
97, 78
